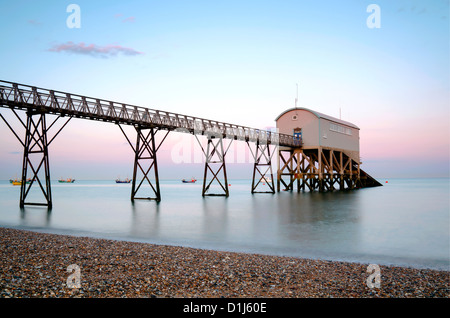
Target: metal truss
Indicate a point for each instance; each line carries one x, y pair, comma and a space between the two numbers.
35, 164
145, 162
214, 164
262, 168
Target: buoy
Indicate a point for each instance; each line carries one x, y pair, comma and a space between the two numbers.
386, 182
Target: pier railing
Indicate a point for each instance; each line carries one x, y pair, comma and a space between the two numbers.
67, 104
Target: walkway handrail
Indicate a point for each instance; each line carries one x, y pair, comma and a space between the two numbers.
63, 103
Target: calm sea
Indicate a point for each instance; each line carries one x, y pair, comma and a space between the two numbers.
405, 222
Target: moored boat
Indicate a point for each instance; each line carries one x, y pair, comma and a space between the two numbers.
69, 180
189, 181
123, 181
18, 182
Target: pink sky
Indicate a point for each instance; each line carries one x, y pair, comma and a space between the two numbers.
94, 150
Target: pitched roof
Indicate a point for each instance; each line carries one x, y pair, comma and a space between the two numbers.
320, 115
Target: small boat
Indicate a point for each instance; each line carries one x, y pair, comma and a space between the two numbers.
70, 180
19, 182
123, 181
189, 181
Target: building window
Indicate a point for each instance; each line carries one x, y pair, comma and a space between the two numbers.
340, 129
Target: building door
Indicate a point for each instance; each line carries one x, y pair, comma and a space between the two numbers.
297, 136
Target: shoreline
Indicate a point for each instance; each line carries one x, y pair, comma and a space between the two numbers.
402, 263
34, 264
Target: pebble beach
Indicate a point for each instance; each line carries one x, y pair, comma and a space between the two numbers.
35, 265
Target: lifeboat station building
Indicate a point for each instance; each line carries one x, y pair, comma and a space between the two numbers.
326, 154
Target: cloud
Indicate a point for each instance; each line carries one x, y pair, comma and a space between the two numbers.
34, 22
94, 50
129, 19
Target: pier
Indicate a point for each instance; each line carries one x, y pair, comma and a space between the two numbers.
317, 167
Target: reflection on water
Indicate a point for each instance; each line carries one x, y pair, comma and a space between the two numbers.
405, 222
35, 216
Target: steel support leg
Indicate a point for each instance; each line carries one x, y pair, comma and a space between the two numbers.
215, 163
144, 162
263, 159
35, 159
35, 154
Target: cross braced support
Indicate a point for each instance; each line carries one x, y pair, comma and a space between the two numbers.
145, 163
320, 169
35, 136
262, 167
35, 163
285, 168
214, 164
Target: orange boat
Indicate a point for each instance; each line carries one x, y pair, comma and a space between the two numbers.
70, 180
